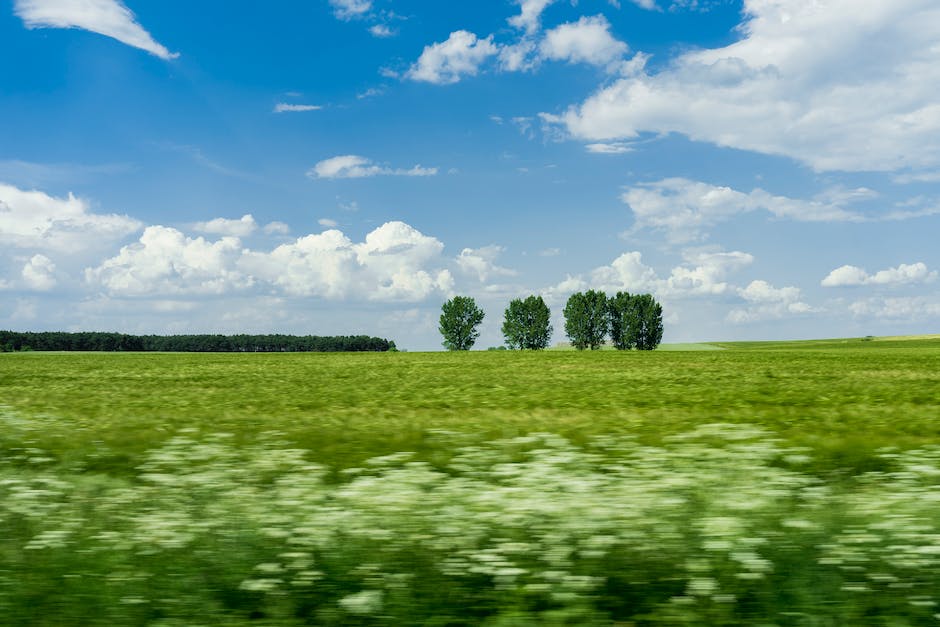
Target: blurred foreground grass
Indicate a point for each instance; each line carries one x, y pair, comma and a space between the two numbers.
767, 483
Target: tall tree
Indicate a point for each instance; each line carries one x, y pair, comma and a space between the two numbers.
621, 315
460, 318
527, 323
586, 319
636, 321
648, 328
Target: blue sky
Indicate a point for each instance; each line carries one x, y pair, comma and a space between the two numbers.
767, 168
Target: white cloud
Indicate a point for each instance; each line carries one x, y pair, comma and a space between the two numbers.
530, 14
550, 252
354, 166
105, 17
685, 209
381, 30
33, 219
395, 262
481, 262
521, 56
702, 274
904, 309
615, 148
283, 107
276, 228
242, 227
838, 85
350, 9
39, 273
328, 223
904, 274
767, 302
586, 41
165, 261
446, 62
372, 92
392, 264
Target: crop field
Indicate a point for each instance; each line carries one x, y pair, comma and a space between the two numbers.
772, 483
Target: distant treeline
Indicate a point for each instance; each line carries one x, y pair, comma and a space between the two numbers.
95, 341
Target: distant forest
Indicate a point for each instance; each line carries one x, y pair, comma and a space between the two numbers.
95, 341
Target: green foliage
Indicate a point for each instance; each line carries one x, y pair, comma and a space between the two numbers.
621, 316
460, 318
117, 342
636, 321
586, 319
527, 324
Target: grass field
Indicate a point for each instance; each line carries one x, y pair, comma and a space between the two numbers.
768, 482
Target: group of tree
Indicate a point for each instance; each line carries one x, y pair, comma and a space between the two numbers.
632, 321
97, 341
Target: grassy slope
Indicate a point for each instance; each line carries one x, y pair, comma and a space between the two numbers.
844, 399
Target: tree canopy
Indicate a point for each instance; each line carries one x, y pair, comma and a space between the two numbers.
636, 321
647, 322
459, 320
276, 343
586, 319
527, 323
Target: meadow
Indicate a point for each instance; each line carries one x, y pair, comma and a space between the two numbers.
776, 483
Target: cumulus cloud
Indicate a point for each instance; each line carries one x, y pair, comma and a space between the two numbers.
904, 274
530, 14
586, 41
392, 264
521, 56
685, 209
838, 85
481, 262
33, 219
354, 166
105, 17
39, 273
767, 302
704, 274
350, 9
381, 31
701, 274
242, 227
395, 262
165, 261
903, 309
448, 61
276, 228
283, 107
329, 223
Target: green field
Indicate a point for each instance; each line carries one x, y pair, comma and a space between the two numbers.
774, 483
